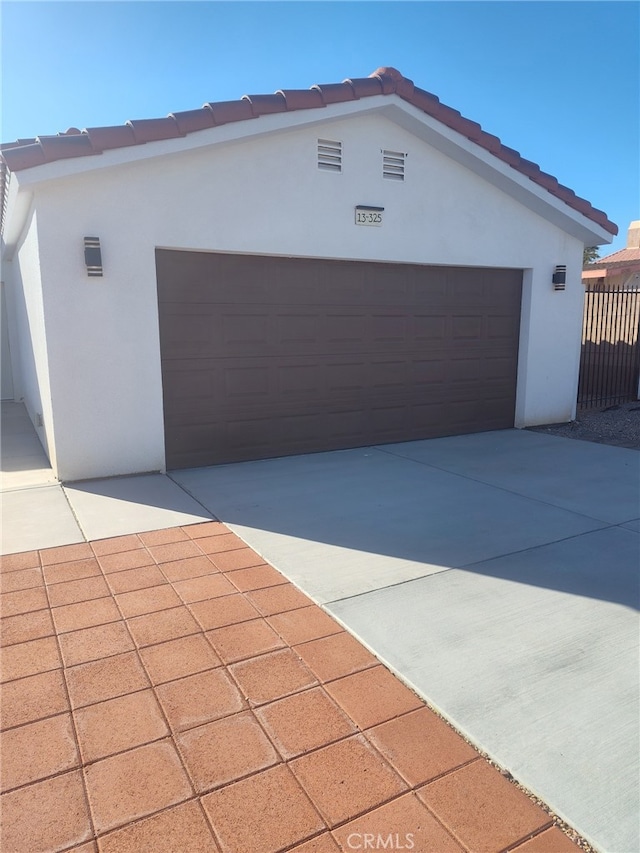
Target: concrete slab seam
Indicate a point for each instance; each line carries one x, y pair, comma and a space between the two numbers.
533, 795
192, 496
500, 488
463, 566
73, 512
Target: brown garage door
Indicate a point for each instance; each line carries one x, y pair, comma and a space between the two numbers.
265, 356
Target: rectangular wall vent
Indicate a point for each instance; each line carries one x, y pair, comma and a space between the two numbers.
393, 165
329, 155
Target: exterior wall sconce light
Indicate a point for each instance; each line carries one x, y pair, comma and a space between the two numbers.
93, 256
559, 277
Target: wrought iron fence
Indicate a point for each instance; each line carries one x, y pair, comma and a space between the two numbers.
610, 356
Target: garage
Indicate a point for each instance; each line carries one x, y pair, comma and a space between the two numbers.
268, 356
342, 266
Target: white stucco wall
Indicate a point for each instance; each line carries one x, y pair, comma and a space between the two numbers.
27, 334
266, 196
6, 371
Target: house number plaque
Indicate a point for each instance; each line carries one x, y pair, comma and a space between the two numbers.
366, 215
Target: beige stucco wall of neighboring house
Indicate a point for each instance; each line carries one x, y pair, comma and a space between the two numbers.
628, 279
265, 195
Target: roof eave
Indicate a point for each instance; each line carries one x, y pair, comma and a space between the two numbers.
459, 148
609, 270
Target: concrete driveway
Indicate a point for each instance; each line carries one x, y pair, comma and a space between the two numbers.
496, 573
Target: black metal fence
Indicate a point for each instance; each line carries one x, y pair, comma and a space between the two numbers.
610, 357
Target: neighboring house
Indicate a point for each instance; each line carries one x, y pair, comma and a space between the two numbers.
610, 360
351, 264
620, 269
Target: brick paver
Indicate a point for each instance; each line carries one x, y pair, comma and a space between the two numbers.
172, 692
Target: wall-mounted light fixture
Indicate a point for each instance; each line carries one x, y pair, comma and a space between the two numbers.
559, 277
93, 256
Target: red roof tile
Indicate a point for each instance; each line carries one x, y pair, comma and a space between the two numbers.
225, 112
302, 99
153, 129
365, 87
104, 138
192, 120
26, 153
621, 258
335, 93
265, 104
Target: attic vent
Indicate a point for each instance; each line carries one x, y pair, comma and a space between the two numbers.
393, 165
329, 155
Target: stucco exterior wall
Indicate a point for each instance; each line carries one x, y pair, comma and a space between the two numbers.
266, 196
5, 351
27, 334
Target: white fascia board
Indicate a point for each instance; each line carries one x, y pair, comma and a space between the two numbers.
494, 170
17, 211
451, 143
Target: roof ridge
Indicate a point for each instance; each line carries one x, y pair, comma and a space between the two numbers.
386, 80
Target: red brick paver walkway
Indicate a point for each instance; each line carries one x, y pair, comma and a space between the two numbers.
171, 693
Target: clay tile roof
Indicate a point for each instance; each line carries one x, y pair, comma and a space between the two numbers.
192, 120
227, 111
621, 258
335, 93
24, 156
365, 87
426, 102
302, 99
153, 129
64, 147
509, 155
531, 170
27, 153
265, 104
104, 138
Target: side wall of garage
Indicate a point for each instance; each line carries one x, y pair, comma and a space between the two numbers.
27, 337
267, 196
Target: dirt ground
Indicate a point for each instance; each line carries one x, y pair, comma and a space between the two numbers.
618, 425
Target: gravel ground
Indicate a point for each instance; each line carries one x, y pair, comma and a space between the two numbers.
617, 425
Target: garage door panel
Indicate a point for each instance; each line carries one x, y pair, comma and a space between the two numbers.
388, 375
428, 371
499, 367
242, 383
179, 385
345, 330
299, 381
390, 330
298, 329
470, 327
438, 291
179, 331
477, 397
244, 330
469, 289
500, 327
464, 369
426, 329
271, 356
389, 420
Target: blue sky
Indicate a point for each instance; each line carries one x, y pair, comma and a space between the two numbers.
558, 81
